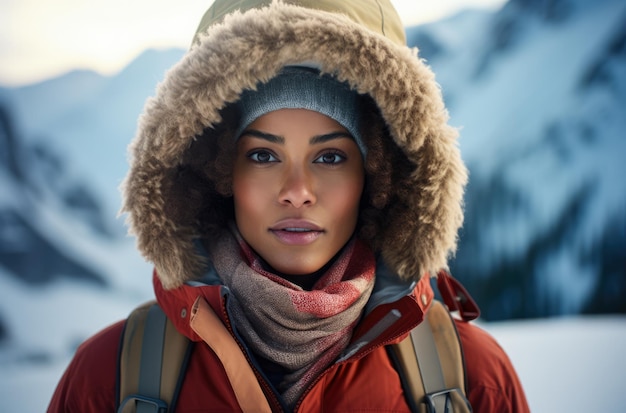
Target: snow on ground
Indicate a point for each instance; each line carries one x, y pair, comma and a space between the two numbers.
568, 364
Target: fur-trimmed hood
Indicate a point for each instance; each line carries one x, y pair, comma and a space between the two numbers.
360, 42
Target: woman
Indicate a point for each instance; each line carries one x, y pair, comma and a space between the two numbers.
296, 175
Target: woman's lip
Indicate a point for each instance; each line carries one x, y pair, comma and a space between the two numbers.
295, 224
296, 231
296, 237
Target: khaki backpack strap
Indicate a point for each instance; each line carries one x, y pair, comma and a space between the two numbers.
243, 381
431, 364
148, 381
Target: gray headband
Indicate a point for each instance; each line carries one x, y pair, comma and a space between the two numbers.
303, 88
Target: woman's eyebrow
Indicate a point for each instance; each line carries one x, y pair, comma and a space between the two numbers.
267, 136
329, 136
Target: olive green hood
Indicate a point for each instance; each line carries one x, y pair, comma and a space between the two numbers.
360, 42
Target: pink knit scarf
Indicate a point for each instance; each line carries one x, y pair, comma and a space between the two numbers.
302, 331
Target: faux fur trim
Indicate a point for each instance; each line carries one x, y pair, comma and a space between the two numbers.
226, 61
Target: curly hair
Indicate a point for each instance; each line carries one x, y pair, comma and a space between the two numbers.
201, 187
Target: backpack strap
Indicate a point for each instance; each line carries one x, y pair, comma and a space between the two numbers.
430, 364
243, 381
147, 381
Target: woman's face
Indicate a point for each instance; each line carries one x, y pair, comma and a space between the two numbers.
297, 182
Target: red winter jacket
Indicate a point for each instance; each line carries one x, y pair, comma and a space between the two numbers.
366, 382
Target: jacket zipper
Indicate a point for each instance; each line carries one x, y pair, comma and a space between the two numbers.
267, 389
356, 355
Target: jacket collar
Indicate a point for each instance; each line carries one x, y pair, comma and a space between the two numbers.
393, 310
389, 321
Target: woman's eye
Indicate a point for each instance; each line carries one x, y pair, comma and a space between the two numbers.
262, 157
330, 158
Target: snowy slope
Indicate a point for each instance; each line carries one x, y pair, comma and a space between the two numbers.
91, 118
538, 91
59, 257
63, 145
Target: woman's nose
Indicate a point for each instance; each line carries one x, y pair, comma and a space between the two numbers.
297, 188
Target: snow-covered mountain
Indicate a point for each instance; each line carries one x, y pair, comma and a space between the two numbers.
90, 119
62, 144
539, 92
55, 237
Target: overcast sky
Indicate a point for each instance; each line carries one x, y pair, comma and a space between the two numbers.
40, 39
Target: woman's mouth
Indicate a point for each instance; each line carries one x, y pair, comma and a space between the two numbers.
296, 236
296, 232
